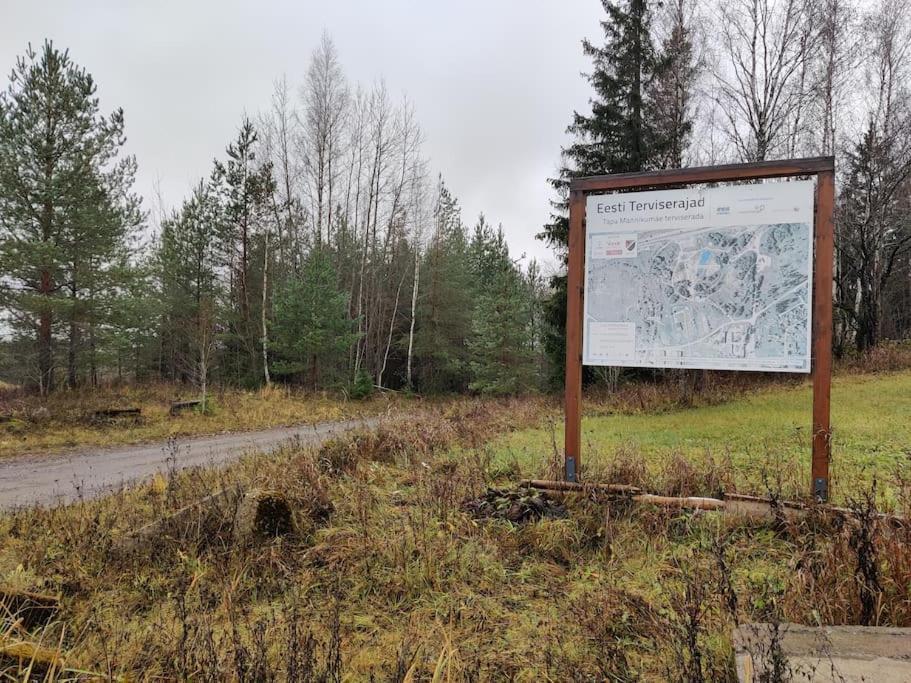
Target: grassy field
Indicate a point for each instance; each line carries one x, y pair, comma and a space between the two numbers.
65, 419
767, 431
414, 557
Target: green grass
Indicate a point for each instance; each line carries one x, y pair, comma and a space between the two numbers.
871, 421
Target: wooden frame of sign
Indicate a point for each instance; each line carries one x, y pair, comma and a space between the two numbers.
823, 260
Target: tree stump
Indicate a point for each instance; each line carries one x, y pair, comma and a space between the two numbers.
262, 514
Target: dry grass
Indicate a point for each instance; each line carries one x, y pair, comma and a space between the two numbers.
65, 419
389, 577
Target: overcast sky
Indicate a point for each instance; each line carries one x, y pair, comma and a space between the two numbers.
493, 82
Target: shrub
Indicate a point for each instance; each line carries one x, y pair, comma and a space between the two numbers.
362, 386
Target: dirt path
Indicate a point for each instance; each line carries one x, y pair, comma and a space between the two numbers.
65, 477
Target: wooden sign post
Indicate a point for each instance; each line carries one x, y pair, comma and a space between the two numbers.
823, 258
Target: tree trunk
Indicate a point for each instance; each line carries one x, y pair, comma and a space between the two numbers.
203, 378
395, 310
93, 356
265, 336
72, 372
414, 306
45, 321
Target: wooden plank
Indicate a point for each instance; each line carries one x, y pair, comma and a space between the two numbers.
825, 654
822, 332
573, 388
705, 174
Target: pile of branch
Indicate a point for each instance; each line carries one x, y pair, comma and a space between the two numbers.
518, 505
222, 504
734, 504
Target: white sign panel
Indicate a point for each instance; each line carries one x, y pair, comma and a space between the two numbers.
716, 278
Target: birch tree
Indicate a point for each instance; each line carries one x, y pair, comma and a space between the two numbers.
325, 103
764, 53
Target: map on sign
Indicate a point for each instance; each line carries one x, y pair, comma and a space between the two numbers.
715, 278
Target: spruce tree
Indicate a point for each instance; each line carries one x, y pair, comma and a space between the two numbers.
312, 332
618, 136
445, 303
501, 360
874, 233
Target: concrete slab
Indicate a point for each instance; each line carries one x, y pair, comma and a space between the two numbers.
840, 654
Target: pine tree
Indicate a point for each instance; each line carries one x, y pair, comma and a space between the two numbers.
99, 240
65, 204
192, 292
618, 136
311, 332
246, 188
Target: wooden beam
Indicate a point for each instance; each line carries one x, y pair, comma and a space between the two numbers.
823, 257
573, 387
735, 504
704, 174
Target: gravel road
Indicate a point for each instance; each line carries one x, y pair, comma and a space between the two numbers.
64, 477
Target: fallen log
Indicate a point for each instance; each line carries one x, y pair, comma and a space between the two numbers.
736, 504
31, 610
29, 653
689, 503
548, 485
116, 412
248, 516
181, 518
179, 406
